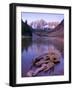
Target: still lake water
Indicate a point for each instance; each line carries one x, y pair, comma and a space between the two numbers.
36, 46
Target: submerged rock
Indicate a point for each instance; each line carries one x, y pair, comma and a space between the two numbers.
45, 62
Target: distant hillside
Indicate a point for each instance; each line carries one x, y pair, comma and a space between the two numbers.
58, 31
26, 29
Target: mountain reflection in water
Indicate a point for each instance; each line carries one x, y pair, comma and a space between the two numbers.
32, 48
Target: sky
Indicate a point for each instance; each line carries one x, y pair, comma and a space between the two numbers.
48, 17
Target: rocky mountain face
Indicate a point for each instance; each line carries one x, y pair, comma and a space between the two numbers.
38, 24
42, 24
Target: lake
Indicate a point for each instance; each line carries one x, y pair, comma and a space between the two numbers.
35, 46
